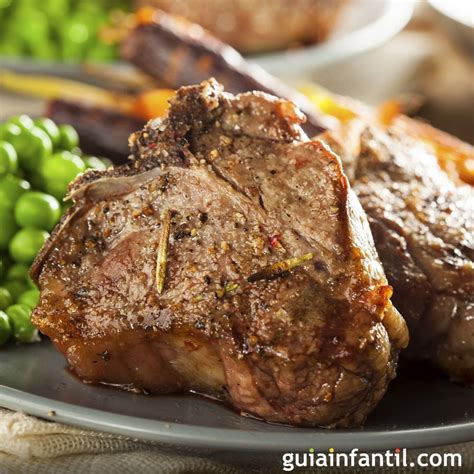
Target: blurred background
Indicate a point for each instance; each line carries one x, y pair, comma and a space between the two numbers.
419, 53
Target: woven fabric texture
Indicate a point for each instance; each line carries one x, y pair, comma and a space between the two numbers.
31, 445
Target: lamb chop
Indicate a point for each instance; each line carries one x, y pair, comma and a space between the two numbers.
102, 132
229, 258
427, 252
423, 227
178, 53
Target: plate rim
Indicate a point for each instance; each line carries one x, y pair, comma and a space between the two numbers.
393, 19
185, 435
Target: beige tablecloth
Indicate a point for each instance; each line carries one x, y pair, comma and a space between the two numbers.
30, 445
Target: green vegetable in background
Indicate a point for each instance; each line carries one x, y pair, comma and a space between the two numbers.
30, 298
9, 132
8, 158
15, 288
67, 30
32, 146
56, 9
5, 328
68, 137
5, 298
75, 34
52, 130
94, 163
11, 188
26, 215
18, 271
8, 227
23, 121
23, 330
26, 244
38, 210
59, 170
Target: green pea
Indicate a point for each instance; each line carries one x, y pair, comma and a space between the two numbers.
56, 189
9, 132
32, 146
31, 284
37, 30
5, 3
8, 227
107, 163
5, 328
8, 158
15, 288
20, 173
48, 126
18, 271
36, 180
76, 151
11, 188
56, 9
5, 262
46, 50
74, 35
69, 138
59, 170
12, 50
21, 273
5, 298
23, 121
30, 298
102, 52
23, 330
26, 244
95, 163
37, 209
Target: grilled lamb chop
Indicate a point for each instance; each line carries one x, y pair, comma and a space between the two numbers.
231, 258
102, 131
178, 54
423, 227
442, 328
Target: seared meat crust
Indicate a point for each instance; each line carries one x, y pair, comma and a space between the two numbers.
423, 227
314, 343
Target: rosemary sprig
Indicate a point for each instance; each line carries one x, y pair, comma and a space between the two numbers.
221, 292
231, 287
162, 254
278, 268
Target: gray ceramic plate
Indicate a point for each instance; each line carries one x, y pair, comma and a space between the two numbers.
419, 410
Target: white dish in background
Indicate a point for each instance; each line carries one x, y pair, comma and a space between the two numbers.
461, 11
457, 16
364, 25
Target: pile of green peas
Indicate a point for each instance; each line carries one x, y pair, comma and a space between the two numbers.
66, 30
38, 160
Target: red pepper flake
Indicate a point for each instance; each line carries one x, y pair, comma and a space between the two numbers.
274, 242
151, 145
